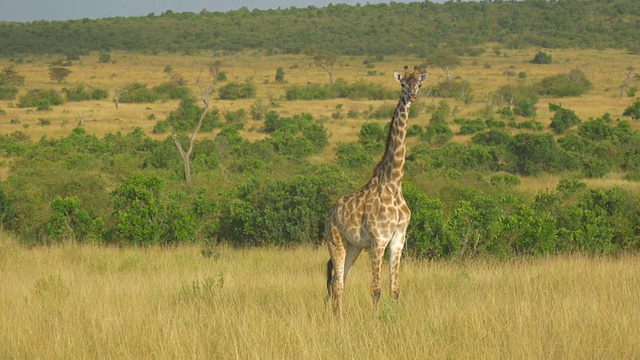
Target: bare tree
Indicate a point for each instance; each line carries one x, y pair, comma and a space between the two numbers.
628, 73
117, 95
324, 59
205, 92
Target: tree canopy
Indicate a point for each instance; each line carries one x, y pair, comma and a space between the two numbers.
376, 29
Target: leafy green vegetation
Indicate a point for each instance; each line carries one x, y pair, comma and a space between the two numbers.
514, 24
127, 189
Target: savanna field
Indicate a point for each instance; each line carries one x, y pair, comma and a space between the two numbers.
77, 301
81, 301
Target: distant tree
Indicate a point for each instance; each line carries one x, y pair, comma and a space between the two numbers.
324, 59
280, 75
541, 58
117, 95
574, 83
104, 58
205, 92
628, 74
214, 68
58, 73
10, 76
444, 59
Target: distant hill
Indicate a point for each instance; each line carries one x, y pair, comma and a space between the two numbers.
381, 29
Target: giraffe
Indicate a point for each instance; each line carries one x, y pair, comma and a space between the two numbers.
377, 215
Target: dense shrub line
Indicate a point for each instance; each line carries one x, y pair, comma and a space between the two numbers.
127, 189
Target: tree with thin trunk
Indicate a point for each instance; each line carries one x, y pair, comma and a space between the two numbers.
214, 68
205, 92
444, 59
628, 74
324, 59
117, 95
58, 73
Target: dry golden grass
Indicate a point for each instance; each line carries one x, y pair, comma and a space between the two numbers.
72, 301
604, 68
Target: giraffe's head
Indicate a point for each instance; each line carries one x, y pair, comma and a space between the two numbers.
411, 82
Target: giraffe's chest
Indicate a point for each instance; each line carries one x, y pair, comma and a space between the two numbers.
373, 216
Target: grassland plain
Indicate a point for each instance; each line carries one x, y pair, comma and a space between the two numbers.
81, 301
485, 73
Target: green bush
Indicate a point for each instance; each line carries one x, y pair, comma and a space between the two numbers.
426, 233
104, 58
504, 180
492, 137
541, 58
80, 93
529, 231
536, 153
138, 93
8, 92
41, 99
373, 136
236, 117
340, 89
633, 110
285, 212
235, 91
563, 119
352, 155
517, 100
185, 118
161, 127
171, 90
7, 210
437, 134
574, 83
145, 215
68, 220
468, 126
297, 135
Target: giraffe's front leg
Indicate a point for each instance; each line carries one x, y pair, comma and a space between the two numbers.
377, 253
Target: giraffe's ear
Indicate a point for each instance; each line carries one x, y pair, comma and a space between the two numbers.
424, 77
397, 76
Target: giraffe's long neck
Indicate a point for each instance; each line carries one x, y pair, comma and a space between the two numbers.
390, 170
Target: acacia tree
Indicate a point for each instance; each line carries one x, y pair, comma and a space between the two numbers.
58, 73
324, 59
444, 59
205, 92
9, 76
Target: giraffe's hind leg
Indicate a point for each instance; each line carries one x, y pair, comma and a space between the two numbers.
352, 255
337, 250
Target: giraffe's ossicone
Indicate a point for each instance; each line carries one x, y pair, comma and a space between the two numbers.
376, 216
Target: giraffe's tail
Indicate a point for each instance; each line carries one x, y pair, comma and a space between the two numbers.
329, 280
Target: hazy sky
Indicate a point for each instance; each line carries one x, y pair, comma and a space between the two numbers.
31, 10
